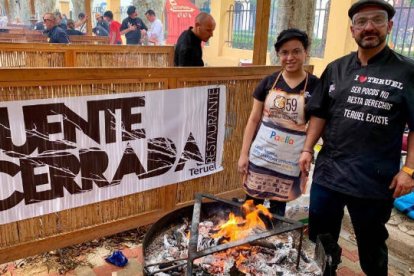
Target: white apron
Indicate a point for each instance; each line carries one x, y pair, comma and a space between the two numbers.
274, 171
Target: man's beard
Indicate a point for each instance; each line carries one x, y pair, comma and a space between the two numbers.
380, 39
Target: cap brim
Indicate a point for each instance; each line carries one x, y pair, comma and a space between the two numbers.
356, 7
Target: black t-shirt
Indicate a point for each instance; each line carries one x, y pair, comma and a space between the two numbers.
266, 84
366, 109
133, 37
188, 50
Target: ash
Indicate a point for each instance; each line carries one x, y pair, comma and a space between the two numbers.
275, 255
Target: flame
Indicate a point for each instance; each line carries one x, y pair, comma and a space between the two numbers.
238, 227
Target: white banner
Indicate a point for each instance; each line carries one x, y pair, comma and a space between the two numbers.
61, 153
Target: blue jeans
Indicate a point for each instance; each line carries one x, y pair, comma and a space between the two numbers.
368, 217
276, 207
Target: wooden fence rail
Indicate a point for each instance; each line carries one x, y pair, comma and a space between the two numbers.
56, 230
30, 37
69, 55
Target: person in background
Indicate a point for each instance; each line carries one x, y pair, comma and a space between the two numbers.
59, 21
55, 33
360, 108
188, 51
114, 28
33, 22
102, 27
133, 27
80, 24
155, 33
276, 129
64, 19
71, 28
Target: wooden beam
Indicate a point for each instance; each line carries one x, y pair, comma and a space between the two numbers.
7, 9
261, 32
88, 12
32, 9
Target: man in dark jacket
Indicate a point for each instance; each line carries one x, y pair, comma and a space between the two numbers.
188, 50
360, 108
133, 27
54, 32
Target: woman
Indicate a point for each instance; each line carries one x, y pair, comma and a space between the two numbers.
275, 131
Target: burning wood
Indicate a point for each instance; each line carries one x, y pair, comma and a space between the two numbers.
275, 255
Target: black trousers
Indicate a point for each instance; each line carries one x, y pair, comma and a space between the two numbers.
368, 217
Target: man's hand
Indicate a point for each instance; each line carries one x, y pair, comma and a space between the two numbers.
402, 183
131, 27
305, 161
242, 164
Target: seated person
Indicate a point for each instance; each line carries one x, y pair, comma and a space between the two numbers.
71, 28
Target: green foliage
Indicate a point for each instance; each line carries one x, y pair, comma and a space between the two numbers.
245, 40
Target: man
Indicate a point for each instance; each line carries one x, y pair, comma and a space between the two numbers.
114, 28
71, 28
80, 24
54, 32
361, 107
59, 21
133, 27
102, 27
156, 32
188, 50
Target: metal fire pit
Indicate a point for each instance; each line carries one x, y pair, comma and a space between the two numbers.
279, 225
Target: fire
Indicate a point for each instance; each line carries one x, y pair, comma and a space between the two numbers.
240, 227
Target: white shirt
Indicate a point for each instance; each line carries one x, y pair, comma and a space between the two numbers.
156, 30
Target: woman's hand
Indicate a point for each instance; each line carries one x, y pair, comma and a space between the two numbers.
242, 164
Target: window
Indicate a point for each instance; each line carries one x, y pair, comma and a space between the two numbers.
401, 37
320, 28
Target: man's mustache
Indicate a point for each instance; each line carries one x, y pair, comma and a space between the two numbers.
370, 34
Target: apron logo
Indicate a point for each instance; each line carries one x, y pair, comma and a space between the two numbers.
280, 102
282, 139
362, 79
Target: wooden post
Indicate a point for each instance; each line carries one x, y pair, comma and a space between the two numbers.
88, 12
32, 9
261, 32
7, 8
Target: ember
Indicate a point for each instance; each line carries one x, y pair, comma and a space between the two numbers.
228, 242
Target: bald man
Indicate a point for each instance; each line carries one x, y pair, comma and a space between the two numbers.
188, 50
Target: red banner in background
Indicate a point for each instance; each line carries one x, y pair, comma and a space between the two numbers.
180, 15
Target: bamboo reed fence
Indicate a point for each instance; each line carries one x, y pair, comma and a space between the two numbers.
62, 55
30, 37
48, 232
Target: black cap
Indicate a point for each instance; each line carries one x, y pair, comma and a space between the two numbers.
289, 34
108, 14
363, 3
131, 10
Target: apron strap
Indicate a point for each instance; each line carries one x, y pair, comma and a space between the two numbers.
304, 88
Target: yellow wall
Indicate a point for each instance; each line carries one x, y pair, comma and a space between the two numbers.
339, 40
338, 43
64, 7
114, 6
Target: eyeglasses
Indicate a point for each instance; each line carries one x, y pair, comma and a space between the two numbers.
47, 19
295, 52
377, 19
